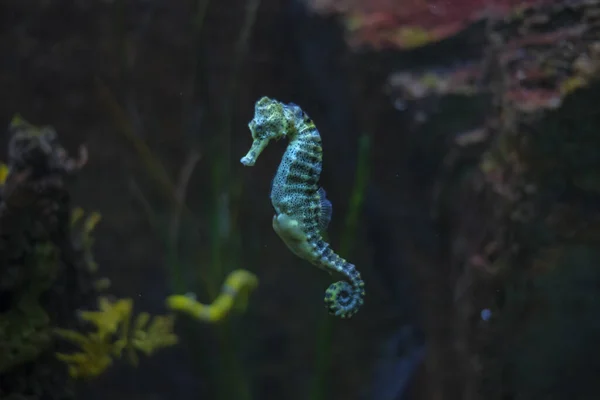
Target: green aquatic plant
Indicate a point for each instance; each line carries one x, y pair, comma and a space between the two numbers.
114, 331
223, 195
25, 330
113, 318
324, 339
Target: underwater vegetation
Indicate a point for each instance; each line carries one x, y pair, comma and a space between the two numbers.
113, 334
47, 249
302, 210
115, 331
30, 253
24, 329
234, 296
44, 273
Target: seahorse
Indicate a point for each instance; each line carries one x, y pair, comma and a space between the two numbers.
302, 210
234, 295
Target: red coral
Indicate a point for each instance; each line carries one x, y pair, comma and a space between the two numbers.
461, 79
411, 23
529, 100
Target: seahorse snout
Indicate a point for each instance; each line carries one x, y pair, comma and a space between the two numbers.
257, 147
248, 160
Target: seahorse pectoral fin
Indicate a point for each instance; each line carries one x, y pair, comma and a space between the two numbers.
258, 145
326, 210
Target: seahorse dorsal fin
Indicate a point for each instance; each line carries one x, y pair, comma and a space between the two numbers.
326, 210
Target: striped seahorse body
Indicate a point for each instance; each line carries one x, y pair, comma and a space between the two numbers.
302, 210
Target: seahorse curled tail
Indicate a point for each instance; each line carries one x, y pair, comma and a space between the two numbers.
343, 298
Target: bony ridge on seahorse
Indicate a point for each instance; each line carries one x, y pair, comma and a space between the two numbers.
302, 210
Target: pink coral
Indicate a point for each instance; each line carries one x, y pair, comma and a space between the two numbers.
412, 23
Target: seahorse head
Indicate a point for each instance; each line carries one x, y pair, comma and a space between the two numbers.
272, 120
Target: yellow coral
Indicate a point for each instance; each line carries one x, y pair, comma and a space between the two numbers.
93, 360
109, 317
411, 37
158, 334
100, 346
430, 81
88, 225
234, 294
91, 222
17, 119
571, 84
3, 173
76, 215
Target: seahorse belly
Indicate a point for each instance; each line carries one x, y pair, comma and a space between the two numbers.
292, 234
